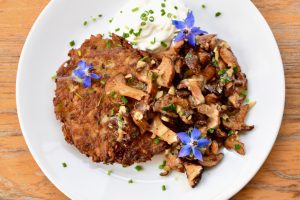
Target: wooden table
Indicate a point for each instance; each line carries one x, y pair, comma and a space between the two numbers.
21, 178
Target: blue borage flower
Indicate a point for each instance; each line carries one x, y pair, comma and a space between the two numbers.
192, 143
187, 29
83, 74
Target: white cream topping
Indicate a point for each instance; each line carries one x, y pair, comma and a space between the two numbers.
147, 24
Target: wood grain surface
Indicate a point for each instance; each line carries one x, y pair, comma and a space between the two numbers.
21, 178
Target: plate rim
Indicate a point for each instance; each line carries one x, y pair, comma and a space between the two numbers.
236, 187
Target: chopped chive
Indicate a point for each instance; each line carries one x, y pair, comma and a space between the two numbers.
130, 181
113, 94
117, 29
138, 33
100, 15
124, 99
131, 31
143, 23
203, 6
151, 19
103, 82
230, 133
163, 188
64, 164
77, 94
218, 14
94, 19
244, 93
163, 44
125, 35
144, 58
151, 11
175, 7
156, 140
85, 23
221, 72
163, 12
138, 168
171, 107
247, 100
211, 130
134, 43
214, 62
108, 44
162, 166
109, 172
153, 41
54, 77
110, 21
154, 76
135, 9
235, 69
169, 15
163, 5
72, 43
237, 146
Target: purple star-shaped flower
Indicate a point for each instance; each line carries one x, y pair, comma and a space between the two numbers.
192, 143
187, 29
83, 73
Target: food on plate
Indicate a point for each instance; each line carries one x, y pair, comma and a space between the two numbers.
119, 103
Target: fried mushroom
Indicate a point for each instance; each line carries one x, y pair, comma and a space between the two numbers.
162, 131
236, 122
193, 173
194, 85
118, 84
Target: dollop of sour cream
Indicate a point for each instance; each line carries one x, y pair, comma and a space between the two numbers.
147, 24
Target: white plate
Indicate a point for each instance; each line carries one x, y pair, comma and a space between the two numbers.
46, 48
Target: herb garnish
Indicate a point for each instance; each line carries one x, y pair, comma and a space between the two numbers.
154, 76
72, 43
124, 100
175, 7
135, 9
156, 140
218, 14
109, 172
85, 23
171, 107
221, 72
138, 168
130, 181
64, 164
214, 62
211, 130
162, 166
125, 35
237, 146
117, 29
163, 5
151, 19
163, 188
235, 69
54, 77
230, 133
244, 93
163, 44
153, 41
